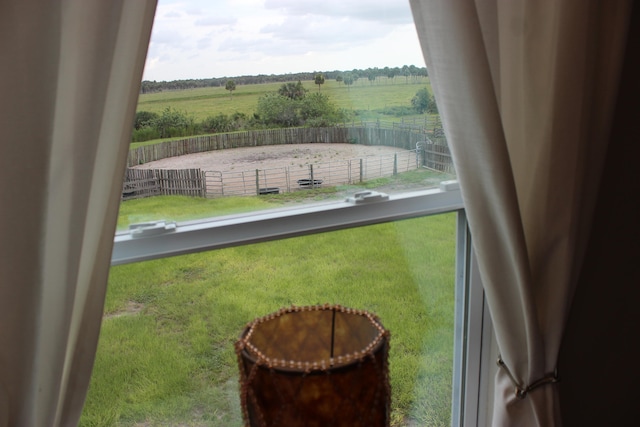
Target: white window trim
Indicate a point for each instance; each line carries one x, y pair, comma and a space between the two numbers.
236, 230
471, 357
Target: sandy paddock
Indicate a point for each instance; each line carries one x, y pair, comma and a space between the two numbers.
269, 156
233, 171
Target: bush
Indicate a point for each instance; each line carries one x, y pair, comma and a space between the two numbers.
172, 123
398, 111
223, 123
317, 105
239, 121
215, 124
144, 119
424, 102
145, 134
275, 109
313, 110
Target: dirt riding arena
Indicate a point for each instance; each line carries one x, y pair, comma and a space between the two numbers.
268, 157
236, 170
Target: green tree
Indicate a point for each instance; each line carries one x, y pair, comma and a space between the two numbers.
390, 73
424, 102
319, 80
406, 72
348, 80
339, 78
292, 90
230, 86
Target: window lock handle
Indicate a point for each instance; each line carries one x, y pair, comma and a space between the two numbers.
367, 196
152, 228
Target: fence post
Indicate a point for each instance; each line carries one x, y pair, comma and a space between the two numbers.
421, 154
287, 176
395, 163
361, 177
313, 183
203, 183
258, 182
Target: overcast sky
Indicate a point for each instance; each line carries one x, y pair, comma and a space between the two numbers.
194, 39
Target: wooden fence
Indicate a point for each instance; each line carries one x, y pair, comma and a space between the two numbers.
139, 183
366, 135
435, 156
194, 182
287, 179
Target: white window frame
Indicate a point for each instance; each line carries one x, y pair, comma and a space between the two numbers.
161, 239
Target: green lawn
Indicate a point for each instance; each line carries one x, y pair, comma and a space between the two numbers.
166, 354
367, 99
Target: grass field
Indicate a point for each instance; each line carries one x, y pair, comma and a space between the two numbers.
166, 354
368, 100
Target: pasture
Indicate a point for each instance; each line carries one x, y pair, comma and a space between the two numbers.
369, 101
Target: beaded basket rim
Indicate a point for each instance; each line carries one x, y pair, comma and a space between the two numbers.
250, 352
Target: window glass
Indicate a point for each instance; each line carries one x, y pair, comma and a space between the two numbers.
166, 353
280, 103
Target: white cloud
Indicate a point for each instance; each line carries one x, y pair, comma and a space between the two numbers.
200, 38
214, 21
381, 11
326, 31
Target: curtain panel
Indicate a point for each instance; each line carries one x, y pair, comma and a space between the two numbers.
70, 74
526, 91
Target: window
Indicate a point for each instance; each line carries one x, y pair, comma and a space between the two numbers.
255, 228
215, 230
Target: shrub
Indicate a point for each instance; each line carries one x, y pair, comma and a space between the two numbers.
146, 133
424, 102
172, 123
275, 109
315, 106
144, 119
215, 124
402, 110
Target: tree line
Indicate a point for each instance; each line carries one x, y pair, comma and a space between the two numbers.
407, 73
290, 106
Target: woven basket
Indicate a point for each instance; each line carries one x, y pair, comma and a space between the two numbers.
315, 366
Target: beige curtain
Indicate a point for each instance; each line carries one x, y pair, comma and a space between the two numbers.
526, 90
69, 79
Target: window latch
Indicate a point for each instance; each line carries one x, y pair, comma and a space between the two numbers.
449, 185
367, 197
153, 228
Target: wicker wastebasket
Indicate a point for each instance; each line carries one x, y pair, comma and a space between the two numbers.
315, 366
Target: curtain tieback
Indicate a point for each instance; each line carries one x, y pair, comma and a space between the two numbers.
520, 391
